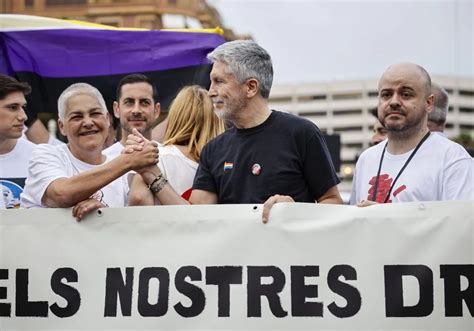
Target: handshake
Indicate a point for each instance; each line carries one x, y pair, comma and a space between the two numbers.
143, 153
137, 145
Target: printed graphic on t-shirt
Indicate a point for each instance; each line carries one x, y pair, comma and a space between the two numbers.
11, 189
187, 194
385, 182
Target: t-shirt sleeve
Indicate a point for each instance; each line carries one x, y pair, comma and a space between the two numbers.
162, 167
458, 176
318, 167
44, 167
354, 198
204, 179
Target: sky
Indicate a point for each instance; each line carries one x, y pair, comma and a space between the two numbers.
323, 40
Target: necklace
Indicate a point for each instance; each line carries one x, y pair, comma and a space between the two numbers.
374, 193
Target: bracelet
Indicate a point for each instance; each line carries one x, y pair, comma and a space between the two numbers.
158, 183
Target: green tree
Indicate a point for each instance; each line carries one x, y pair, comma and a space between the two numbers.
464, 139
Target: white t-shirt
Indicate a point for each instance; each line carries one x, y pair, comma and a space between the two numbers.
178, 169
50, 162
113, 151
440, 170
13, 173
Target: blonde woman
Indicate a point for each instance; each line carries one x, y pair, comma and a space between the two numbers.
191, 124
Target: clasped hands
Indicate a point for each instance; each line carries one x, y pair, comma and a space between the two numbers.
137, 143
145, 152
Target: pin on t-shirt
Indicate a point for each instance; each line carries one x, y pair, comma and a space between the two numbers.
256, 169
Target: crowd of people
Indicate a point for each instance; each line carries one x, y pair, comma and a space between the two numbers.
264, 156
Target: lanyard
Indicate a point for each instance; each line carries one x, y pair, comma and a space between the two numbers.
374, 193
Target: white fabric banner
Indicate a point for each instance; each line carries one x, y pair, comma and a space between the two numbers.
314, 267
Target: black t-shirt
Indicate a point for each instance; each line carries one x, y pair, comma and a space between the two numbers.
284, 155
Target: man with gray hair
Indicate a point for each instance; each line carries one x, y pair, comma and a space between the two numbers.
267, 156
78, 175
437, 117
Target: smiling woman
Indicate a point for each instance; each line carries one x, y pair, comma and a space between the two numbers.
77, 174
86, 126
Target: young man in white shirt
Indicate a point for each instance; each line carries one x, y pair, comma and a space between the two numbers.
14, 150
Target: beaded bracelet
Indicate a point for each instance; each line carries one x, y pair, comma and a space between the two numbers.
158, 183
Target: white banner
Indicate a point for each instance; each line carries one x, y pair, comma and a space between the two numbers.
314, 267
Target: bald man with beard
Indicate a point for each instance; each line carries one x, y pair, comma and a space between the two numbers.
413, 164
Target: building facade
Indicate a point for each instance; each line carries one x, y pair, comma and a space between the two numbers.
148, 14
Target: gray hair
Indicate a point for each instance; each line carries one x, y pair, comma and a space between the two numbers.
246, 59
75, 89
440, 106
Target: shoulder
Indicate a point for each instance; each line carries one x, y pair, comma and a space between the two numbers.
49, 152
172, 155
48, 148
372, 152
288, 118
222, 139
172, 151
167, 150
290, 125
25, 144
113, 150
446, 147
23, 149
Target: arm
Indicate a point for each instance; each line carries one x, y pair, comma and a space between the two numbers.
37, 133
203, 197
319, 171
66, 192
458, 178
331, 196
139, 194
168, 196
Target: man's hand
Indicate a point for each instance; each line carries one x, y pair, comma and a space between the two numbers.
143, 152
366, 203
82, 208
147, 157
135, 142
271, 201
